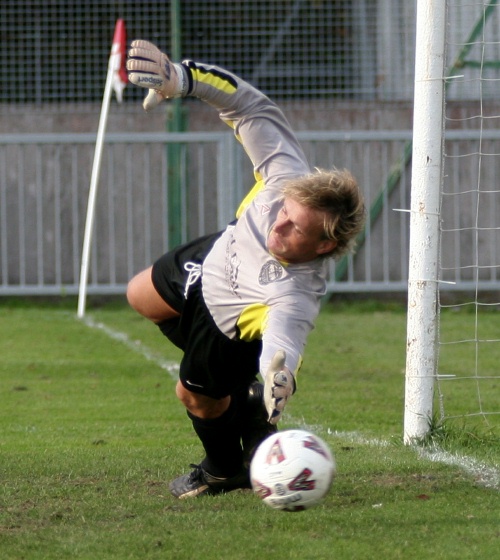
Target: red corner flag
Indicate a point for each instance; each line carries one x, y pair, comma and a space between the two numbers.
118, 59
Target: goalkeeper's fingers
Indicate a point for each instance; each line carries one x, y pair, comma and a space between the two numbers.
279, 386
144, 65
149, 68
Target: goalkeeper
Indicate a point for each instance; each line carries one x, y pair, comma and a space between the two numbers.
241, 302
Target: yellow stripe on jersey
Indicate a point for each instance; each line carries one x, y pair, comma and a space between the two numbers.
216, 80
259, 185
252, 322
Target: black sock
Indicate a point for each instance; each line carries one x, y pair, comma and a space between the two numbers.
221, 440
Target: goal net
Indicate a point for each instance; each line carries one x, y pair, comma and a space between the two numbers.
453, 345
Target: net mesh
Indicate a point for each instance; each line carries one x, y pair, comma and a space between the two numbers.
470, 223
56, 51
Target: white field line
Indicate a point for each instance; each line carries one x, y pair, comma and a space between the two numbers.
485, 475
172, 368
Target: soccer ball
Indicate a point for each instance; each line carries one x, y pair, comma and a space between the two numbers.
292, 470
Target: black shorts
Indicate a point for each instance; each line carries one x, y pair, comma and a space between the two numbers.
213, 364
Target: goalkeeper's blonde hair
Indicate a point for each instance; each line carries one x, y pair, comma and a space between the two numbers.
335, 192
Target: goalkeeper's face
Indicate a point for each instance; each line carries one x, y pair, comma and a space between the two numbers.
297, 235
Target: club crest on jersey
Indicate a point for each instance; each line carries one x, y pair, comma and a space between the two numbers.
270, 272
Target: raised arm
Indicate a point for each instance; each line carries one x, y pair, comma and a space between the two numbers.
257, 122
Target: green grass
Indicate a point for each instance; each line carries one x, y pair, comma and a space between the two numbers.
91, 433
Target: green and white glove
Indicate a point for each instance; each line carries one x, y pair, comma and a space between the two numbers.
149, 68
279, 386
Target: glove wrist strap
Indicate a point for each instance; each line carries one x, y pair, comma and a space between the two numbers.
182, 80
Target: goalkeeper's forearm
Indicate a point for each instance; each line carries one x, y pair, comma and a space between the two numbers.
257, 121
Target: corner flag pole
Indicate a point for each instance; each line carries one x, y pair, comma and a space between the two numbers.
116, 80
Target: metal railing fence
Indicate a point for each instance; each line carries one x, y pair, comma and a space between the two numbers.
44, 185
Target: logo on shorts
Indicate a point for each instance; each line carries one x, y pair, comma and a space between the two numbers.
270, 272
194, 384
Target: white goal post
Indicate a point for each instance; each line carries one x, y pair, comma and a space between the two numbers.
427, 158
453, 342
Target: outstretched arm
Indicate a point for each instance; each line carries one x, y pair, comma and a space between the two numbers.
257, 122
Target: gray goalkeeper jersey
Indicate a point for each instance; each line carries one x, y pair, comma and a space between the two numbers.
247, 291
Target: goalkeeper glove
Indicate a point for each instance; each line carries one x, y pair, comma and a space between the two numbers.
279, 386
148, 67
